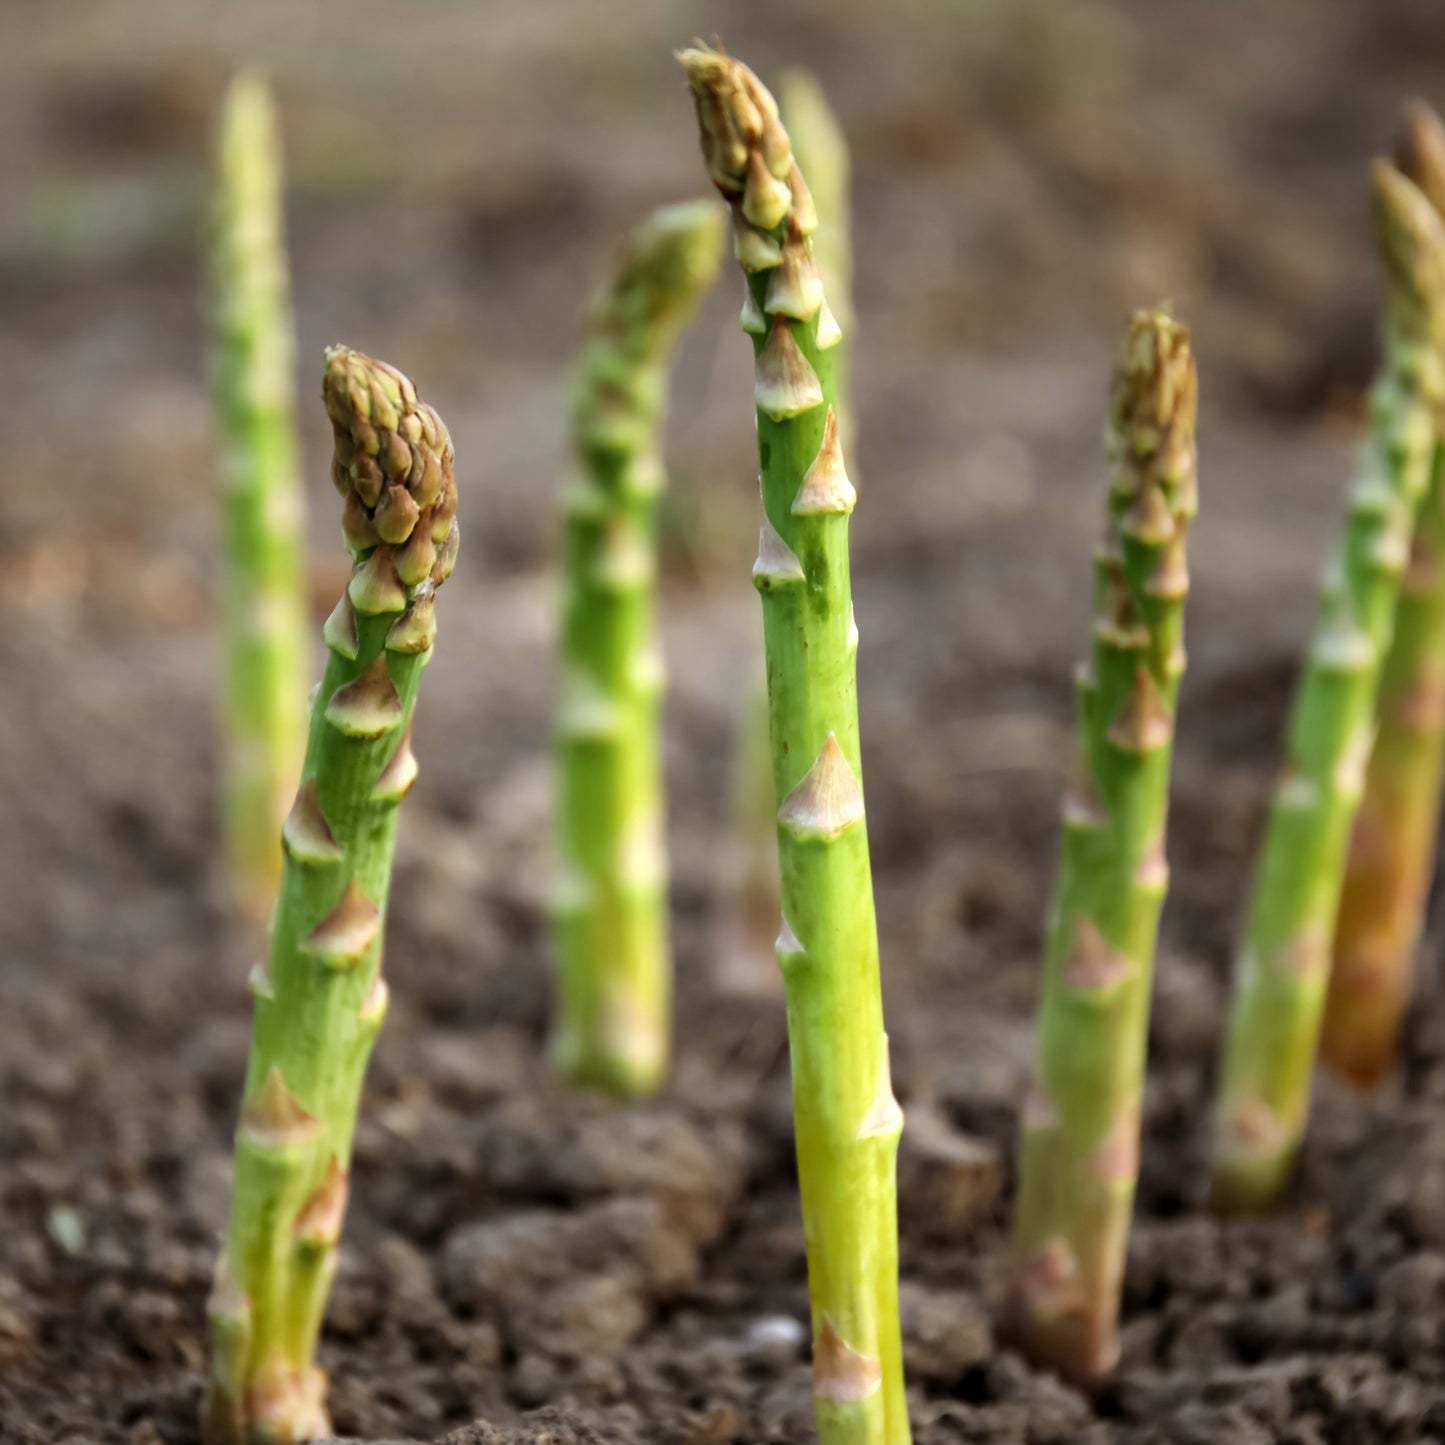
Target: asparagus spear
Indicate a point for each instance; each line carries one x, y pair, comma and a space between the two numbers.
744, 959
320, 1001
750, 905
263, 514
614, 977
847, 1121
1392, 848
1080, 1138
1283, 964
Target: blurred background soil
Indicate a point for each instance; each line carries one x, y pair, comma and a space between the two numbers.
1026, 172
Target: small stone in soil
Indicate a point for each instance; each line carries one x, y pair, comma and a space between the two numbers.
775, 1341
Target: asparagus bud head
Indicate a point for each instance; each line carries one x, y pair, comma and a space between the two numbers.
1409, 229
1420, 152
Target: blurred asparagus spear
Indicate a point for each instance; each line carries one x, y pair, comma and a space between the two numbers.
1392, 848
1282, 969
847, 1121
744, 959
614, 964
1080, 1151
263, 511
320, 1001
750, 904
821, 151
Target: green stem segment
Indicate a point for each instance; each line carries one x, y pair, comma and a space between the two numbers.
1392, 848
1282, 970
1079, 1154
749, 913
320, 1001
263, 510
614, 966
846, 1119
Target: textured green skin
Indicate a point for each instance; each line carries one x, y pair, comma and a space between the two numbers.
752, 900
846, 1122
835, 1007
1392, 849
1282, 973
614, 966
1079, 1148
316, 1021
263, 508
310, 1026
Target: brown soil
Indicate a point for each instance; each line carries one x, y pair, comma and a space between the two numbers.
564, 1270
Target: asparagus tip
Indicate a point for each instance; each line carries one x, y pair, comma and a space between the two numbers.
1420, 150
666, 266
1155, 386
747, 151
1411, 238
248, 116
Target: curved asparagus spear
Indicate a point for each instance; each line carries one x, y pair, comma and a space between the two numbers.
320, 1001
263, 509
1080, 1138
1392, 848
847, 1121
614, 965
1283, 964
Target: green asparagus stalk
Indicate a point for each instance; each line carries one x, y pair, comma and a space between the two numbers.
614, 964
1080, 1137
846, 1119
263, 512
1392, 848
1282, 971
320, 1001
750, 904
